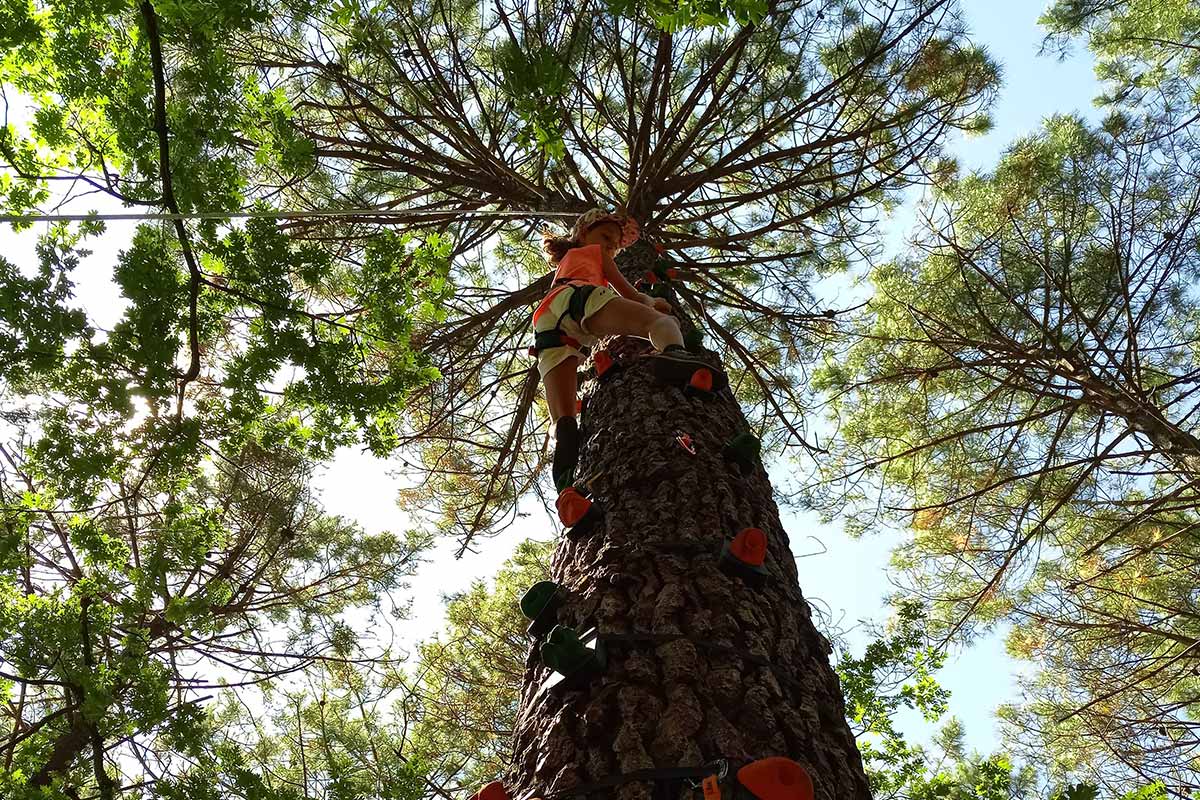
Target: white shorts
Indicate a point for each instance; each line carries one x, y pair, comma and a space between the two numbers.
557, 313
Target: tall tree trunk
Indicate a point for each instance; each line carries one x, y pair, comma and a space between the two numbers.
715, 669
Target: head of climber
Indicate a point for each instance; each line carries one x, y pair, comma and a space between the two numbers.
606, 233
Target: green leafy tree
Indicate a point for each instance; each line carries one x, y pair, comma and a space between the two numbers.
465, 687
1021, 395
159, 539
1145, 50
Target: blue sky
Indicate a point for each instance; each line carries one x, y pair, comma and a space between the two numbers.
846, 577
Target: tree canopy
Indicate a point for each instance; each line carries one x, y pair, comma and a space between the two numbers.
1021, 394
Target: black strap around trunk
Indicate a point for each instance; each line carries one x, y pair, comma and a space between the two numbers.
662, 777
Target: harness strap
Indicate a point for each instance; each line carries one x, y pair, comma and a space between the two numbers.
664, 775
576, 307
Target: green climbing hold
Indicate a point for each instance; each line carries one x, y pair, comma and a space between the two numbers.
540, 604
567, 654
744, 449
693, 340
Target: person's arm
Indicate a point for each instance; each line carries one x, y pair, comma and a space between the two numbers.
619, 282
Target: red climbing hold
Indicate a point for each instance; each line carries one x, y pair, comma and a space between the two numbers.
658, 248
578, 406
649, 277
672, 273
603, 361
776, 778
750, 547
493, 791
572, 506
685, 441
702, 380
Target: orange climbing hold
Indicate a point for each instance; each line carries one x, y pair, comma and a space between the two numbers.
493, 791
712, 788
603, 362
702, 379
572, 506
776, 778
750, 547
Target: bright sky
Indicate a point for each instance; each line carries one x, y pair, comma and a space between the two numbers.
849, 577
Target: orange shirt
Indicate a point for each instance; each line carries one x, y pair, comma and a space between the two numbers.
579, 265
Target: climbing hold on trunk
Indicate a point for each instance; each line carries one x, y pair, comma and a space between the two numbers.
744, 556
744, 449
693, 340
568, 654
776, 778
493, 791
540, 605
701, 380
685, 441
576, 512
649, 277
603, 362
678, 367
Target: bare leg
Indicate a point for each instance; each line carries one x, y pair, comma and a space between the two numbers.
671, 363
562, 384
623, 317
561, 387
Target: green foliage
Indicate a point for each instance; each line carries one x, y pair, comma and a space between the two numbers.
1144, 49
469, 678
985, 397
673, 16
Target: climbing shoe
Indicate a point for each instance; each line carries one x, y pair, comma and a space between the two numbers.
577, 513
566, 452
678, 367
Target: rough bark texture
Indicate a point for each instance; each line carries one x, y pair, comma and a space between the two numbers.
736, 672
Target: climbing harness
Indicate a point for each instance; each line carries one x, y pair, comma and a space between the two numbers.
576, 307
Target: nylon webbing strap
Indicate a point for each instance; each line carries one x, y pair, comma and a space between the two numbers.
648, 775
577, 305
545, 340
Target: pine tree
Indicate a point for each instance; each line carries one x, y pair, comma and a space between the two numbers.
701, 665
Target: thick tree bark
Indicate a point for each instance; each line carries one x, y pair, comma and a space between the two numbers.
725, 670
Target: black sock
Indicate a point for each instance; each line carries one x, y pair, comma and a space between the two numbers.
566, 452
